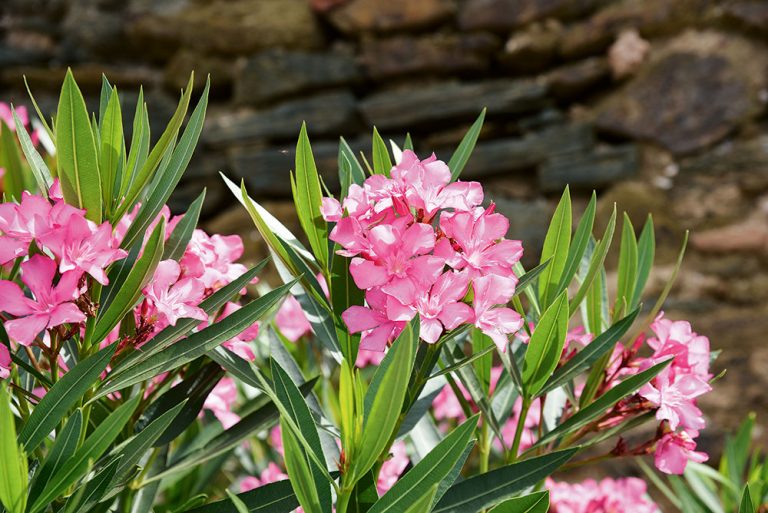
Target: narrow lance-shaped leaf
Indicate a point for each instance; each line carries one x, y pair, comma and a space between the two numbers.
13, 461
36, 163
139, 149
382, 164
10, 161
596, 264
177, 243
534, 503
627, 273
63, 448
556, 245
545, 346
464, 150
646, 250
112, 149
384, 398
78, 166
579, 244
130, 289
63, 395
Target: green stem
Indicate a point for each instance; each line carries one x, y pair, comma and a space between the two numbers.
519, 430
485, 448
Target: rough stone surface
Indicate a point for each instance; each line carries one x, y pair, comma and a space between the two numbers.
275, 74
502, 15
227, 26
578, 79
450, 101
706, 96
325, 114
439, 54
533, 48
589, 170
357, 16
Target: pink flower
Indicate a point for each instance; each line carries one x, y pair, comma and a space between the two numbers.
32, 219
475, 241
276, 439
366, 358
446, 405
624, 495
673, 452
439, 306
392, 468
675, 397
220, 402
427, 185
241, 344
372, 321
291, 320
497, 322
397, 253
52, 304
212, 259
170, 298
270, 474
5, 361
676, 338
330, 209
82, 246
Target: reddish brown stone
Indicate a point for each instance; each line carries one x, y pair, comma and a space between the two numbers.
358, 16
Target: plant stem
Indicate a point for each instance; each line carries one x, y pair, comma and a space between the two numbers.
485, 448
519, 430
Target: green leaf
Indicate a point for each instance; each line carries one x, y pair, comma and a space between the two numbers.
129, 291
646, 249
93, 447
479, 358
534, 503
427, 474
63, 448
556, 246
579, 244
424, 503
464, 150
529, 278
10, 161
182, 232
344, 293
171, 334
112, 154
78, 166
482, 348
408, 142
545, 346
381, 161
66, 392
197, 344
40, 115
94, 490
169, 173
356, 172
746, 505
139, 150
144, 174
596, 263
603, 403
384, 399
13, 461
601, 345
36, 163
307, 195
311, 487
277, 497
627, 274
488, 489
239, 504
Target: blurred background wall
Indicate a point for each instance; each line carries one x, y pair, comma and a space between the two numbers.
660, 105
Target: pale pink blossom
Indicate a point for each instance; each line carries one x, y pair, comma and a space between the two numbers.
498, 322
439, 306
674, 450
241, 344
276, 439
366, 358
271, 474
212, 259
291, 320
623, 495
676, 338
52, 305
392, 468
170, 298
221, 400
330, 209
5, 361
475, 241
675, 398
372, 321
81, 245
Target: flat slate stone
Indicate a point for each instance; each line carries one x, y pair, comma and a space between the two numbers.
452, 101
589, 170
326, 114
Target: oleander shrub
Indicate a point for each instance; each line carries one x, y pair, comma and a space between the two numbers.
408, 362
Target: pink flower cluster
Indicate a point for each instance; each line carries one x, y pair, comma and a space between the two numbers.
625, 495
675, 390
421, 245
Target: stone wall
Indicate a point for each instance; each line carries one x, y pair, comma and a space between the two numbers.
658, 104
